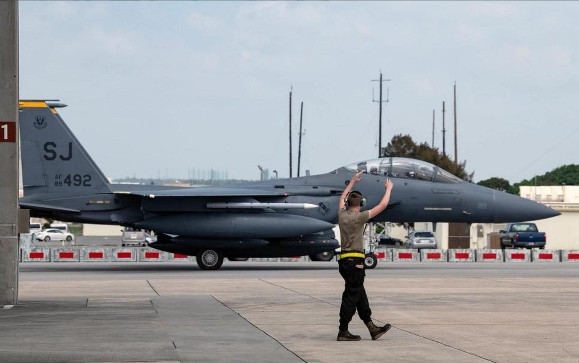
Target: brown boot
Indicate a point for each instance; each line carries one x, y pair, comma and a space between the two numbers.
344, 336
377, 331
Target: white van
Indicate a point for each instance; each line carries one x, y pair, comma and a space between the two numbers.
62, 226
35, 227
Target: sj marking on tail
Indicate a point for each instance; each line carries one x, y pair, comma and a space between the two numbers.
51, 154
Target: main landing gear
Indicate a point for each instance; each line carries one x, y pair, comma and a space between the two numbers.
209, 259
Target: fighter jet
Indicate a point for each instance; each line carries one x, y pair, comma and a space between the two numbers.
271, 218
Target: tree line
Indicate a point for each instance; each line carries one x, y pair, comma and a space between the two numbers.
404, 146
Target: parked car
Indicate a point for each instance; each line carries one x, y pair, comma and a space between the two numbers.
524, 235
132, 237
420, 240
385, 240
54, 234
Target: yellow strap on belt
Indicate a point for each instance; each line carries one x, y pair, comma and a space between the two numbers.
352, 254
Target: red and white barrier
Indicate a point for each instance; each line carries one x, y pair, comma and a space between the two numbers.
384, 254
65, 255
489, 256
433, 255
405, 255
570, 256
36, 255
178, 257
72, 254
461, 255
516, 255
546, 256
123, 255
295, 259
94, 255
152, 255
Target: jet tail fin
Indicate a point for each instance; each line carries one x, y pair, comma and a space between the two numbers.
53, 160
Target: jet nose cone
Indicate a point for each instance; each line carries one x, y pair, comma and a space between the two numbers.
511, 208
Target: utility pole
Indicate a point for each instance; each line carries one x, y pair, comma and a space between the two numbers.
443, 131
9, 160
433, 113
290, 132
300, 138
380, 112
455, 130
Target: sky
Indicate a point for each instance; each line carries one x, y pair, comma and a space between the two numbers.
176, 89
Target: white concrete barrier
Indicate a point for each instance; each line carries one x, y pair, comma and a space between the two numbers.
489, 256
297, 259
152, 255
36, 255
405, 255
179, 257
123, 255
546, 256
570, 256
461, 255
72, 254
65, 255
94, 255
384, 254
516, 255
433, 255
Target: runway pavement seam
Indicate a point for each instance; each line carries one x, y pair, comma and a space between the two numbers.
153, 288
381, 322
261, 330
318, 299
447, 345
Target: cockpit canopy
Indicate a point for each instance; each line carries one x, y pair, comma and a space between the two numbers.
405, 168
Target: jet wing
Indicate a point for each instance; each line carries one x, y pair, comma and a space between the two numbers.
204, 192
46, 207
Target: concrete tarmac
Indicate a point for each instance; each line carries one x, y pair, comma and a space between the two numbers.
288, 312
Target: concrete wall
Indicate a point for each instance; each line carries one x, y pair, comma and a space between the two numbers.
101, 230
562, 231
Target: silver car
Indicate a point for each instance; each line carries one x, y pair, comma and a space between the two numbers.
420, 240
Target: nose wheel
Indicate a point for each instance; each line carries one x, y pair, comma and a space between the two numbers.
370, 261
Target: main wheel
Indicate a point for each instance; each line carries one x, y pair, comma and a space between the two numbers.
68, 238
47, 239
322, 256
370, 261
209, 259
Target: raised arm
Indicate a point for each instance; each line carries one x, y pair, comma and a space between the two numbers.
388, 185
356, 178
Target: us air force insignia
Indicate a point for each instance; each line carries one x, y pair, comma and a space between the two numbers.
40, 122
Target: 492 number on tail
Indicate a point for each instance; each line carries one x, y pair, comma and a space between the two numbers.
72, 180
